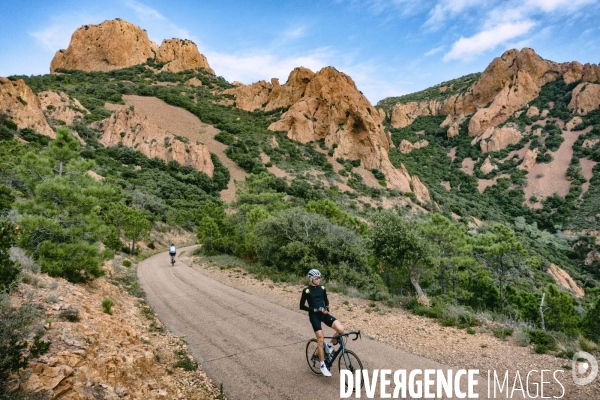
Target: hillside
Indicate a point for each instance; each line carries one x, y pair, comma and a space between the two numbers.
474, 197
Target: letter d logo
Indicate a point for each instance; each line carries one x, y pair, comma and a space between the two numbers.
581, 369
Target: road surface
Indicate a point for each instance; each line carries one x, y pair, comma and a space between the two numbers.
252, 346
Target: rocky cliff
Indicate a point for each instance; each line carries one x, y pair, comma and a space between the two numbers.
116, 44
509, 83
23, 107
327, 105
133, 129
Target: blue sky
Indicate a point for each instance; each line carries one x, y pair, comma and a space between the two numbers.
389, 47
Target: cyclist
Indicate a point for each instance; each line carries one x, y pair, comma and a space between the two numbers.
318, 311
172, 251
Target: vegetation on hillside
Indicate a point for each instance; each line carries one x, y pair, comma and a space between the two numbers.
435, 263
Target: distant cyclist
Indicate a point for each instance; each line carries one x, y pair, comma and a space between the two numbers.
172, 252
318, 311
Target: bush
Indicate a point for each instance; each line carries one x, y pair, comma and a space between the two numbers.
502, 332
16, 327
127, 263
107, 305
542, 338
70, 314
185, 361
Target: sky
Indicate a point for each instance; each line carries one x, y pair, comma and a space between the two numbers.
388, 47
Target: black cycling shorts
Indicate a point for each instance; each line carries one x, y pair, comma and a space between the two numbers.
317, 318
172, 254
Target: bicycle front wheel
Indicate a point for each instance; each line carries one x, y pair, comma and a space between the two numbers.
350, 361
312, 356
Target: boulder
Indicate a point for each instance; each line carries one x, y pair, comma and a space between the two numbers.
487, 166
494, 139
573, 123
590, 73
529, 160
533, 111
406, 146
113, 44
181, 55
585, 98
133, 129
23, 107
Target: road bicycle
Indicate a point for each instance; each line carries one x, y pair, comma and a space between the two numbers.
348, 359
172, 259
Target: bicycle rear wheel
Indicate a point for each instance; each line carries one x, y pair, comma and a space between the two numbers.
350, 361
312, 357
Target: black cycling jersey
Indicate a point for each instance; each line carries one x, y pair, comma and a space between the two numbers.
316, 296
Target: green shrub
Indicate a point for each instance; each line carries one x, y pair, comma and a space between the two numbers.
16, 326
126, 263
542, 338
107, 305
540, 349
185, 361
502, 332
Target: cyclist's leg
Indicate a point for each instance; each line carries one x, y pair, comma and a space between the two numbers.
339, 329
320, 340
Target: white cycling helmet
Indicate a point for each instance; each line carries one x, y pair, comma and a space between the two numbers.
314, 273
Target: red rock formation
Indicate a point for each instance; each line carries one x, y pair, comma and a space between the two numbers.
585, 98
116, 44
61, 107
113, 44
22, 106
133, 129
181, 55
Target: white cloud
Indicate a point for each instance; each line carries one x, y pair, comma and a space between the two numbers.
142, 11
467, 48
446, 9
553, 5
433, 51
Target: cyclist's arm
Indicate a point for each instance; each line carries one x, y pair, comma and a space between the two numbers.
325, 300
303, 301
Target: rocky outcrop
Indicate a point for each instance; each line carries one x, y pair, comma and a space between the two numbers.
270, 96
402, 115
113, 44
574, 71
494, 139
133, 129
487, 166
60, 107
585, 98
516, 93
533, 111
563, 279
573, 123
23, 107
116, 44
194, 82
330, 106
529, 159
406, 146
181, 55
95, 355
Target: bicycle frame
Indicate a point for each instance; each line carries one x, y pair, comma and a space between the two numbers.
341, 350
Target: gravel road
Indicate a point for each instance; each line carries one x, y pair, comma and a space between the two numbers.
254, 347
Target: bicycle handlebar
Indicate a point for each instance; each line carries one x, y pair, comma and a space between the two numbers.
356, 335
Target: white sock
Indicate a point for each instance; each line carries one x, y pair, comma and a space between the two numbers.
322, 363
